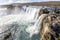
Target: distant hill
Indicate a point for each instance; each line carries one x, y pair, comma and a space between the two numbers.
49, 3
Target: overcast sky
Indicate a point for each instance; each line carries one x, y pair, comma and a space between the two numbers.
22, 1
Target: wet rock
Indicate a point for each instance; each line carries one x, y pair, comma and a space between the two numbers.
7, 36
50, 29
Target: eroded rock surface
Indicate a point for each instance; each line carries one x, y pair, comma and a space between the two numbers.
51, 28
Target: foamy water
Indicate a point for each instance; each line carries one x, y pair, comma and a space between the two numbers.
35, 29
21, 23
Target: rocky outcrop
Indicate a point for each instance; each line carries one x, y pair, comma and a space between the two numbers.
50, 29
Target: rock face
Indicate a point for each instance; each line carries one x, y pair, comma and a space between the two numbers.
50, 29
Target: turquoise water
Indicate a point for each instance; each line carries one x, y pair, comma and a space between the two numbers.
21, 33
17, 22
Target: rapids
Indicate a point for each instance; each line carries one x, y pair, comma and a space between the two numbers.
21, 22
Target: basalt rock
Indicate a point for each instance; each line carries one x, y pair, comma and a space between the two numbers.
50, 29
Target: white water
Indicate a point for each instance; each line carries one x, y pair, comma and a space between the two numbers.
24, 21
36, 27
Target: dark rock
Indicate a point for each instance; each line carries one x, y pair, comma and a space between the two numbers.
52, 30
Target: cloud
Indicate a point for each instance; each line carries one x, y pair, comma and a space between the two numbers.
22, 1
51, 0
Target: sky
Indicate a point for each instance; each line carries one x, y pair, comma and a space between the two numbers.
22, 1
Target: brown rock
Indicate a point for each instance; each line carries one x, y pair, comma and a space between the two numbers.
50, 29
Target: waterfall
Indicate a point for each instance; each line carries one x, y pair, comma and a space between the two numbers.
4, 11
21, 22
35, 29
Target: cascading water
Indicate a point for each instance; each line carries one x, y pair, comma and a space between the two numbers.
34, 29
21, 24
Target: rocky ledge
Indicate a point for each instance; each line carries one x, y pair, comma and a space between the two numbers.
50, 29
